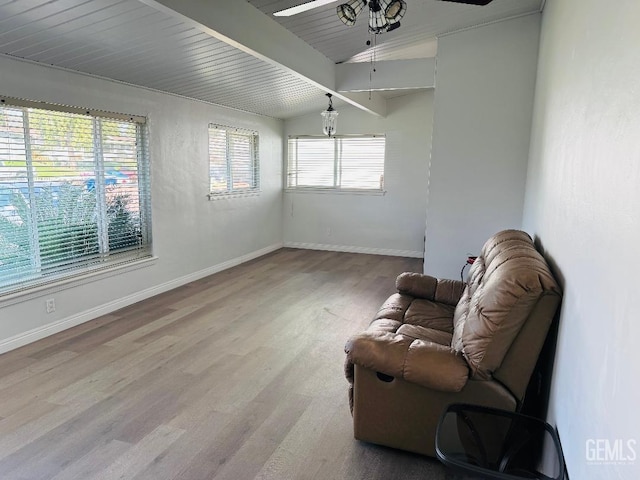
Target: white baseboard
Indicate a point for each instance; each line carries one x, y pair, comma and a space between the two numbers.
46, 330
350, 249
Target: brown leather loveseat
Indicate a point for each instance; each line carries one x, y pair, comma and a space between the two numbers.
438, 342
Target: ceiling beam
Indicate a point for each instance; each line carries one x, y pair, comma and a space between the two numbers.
373, 101
388, 75
241, 25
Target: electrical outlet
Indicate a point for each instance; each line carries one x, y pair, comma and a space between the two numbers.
51, 305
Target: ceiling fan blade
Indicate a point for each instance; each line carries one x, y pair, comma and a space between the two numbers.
302, 8
470, 2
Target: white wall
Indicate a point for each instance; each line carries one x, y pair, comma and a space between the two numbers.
191, 235
390, 224
485, 81
583, 204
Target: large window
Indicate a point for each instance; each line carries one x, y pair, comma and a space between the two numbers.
233, 161
351, 163
74, 193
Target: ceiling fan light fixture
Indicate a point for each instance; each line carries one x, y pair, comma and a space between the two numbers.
384, 15
393, 26
374, 5
377, 21
347, 12
395, 10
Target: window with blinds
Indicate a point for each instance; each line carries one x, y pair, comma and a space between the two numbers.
74, 193
233, 161
353, 163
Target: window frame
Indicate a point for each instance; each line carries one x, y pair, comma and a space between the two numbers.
337, 167
101, 263
254, 141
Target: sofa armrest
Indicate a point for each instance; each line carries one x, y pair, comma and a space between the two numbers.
417, 361
430, 288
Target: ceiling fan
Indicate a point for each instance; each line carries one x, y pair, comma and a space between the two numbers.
305, 7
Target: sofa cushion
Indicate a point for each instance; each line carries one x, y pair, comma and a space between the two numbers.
428, 314
415, 318
430, 288
384, 325
394, 307
505, 283
428, 334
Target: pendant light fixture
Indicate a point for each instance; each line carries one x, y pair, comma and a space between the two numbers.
329, 119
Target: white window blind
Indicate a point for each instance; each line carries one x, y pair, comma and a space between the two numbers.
74, 193
233, 160
337, 163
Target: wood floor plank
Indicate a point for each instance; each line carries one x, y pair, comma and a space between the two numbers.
235, 376
37, 367
116, 374
179, 459
96, 460
155, 324
14, 361
32, 431
251, 456
28, 413
141, 455
292, 456
55, 343
15, 397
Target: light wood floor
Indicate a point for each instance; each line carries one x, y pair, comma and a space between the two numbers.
236, 376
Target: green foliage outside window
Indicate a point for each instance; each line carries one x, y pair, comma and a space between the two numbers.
66, 227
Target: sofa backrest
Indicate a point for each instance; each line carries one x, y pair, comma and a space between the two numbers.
505, 311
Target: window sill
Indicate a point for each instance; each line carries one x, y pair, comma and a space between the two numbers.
336, 191
74, 281
224, 196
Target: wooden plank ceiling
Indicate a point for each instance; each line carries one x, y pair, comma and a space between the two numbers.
132, 42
